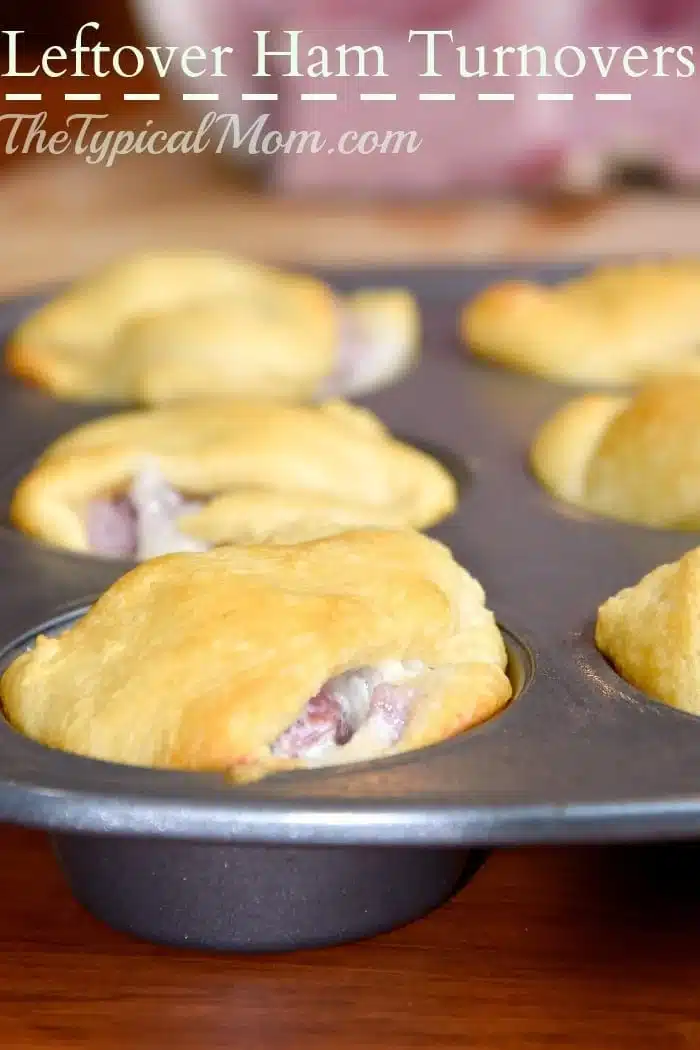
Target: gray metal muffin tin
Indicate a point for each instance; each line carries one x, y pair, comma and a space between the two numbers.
328, 856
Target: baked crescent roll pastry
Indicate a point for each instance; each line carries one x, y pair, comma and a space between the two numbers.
155, 328
616, 325
634, 458
198, 474
259, 659
651, 633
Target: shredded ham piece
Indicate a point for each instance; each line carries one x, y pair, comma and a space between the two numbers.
363, 361
111, 526
142, 524
354, 716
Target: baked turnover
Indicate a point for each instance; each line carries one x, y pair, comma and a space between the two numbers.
261, 659
157, 328
195, 475
634, 458
651, 633
614, 326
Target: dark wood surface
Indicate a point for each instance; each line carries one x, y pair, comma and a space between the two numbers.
584, 948
46, 24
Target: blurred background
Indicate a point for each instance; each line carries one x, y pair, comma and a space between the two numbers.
525, 179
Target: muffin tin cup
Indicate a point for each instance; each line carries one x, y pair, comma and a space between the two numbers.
256, 898
333, 855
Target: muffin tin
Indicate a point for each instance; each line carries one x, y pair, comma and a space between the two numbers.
334, 855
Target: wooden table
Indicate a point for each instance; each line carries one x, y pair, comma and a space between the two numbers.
584, 948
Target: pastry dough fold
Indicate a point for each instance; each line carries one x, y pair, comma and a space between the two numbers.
615, 325
634, 458
203, 661
162, 327
651, 633
251, 470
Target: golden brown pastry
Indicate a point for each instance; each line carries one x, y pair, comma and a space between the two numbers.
198, 474
161, 327
616, 325
635, 458
651, 633
258, 659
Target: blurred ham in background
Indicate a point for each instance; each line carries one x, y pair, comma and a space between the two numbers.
467, 145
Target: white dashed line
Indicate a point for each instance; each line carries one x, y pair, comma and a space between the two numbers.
21, 97
82, 97
141, 98
312, 96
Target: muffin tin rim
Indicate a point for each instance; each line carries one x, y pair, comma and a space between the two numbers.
119, 777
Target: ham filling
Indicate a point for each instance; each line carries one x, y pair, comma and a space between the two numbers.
142, 523
354, 717
364, 360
